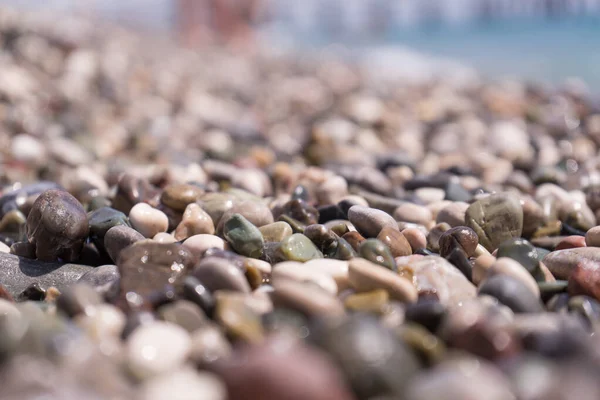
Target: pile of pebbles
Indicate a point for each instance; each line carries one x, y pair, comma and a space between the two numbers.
209, 226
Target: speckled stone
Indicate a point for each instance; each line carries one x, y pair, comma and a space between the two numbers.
495, 218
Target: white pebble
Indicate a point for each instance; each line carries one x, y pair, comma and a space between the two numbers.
198, 244
147, 220
4, 248
304, 273
157, 348
163, 237
28, 149
184, 384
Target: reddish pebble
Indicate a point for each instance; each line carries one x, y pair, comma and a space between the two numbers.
571, 242
585, 279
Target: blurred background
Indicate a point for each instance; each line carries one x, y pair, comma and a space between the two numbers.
545, 41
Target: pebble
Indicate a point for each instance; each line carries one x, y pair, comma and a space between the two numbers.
280, 368
148, 220
179, 196
183, 313
119, 238
414, 213
524, 253
276, 232
562, 262
101, 220
508, 266
496, 218
460, 237
375, 251
337, 269
365, 276
57, 226
511, 292
304, 273
157, 348
243, 236
396, 241
592, 237
307, 298
195, 221
368, 302
436, 275
254, 211
584, 279
298, 247
571, 242
370, 221
238, 318
164, 237
220, 274
198, 244
453, 214
416, 238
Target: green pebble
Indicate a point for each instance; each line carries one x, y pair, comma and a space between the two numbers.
524, 253
299, 248
243, 236
375, 251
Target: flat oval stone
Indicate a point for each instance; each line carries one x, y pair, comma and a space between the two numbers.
57, 226
337, 269
370, 221
220, 274
307, 298
416, 238
195, 221
263, 372
585, 279
157, 348
198, 244
365, 276
512, 293
524, 253
298, 248
243, 236
395, 241
571, 242
508, 266
378, 253
304, 273
178, 196
495, 218
118, 238
409, 212
562, 262
276, 232
148, 220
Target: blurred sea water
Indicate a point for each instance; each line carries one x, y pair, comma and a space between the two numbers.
542, 49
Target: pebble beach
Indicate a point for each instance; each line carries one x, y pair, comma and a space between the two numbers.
208, 225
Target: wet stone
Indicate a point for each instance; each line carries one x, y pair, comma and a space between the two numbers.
57, 226
148, 267
495, 219
243, 236
119, 238
375, 251
395, 241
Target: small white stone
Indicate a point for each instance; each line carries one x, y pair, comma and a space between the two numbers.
163, 237
28, 149
102, 321
302, 273
4, 248
198, 244
184, 384
157, 348
147, 220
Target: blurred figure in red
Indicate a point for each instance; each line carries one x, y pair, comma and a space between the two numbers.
225, 21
